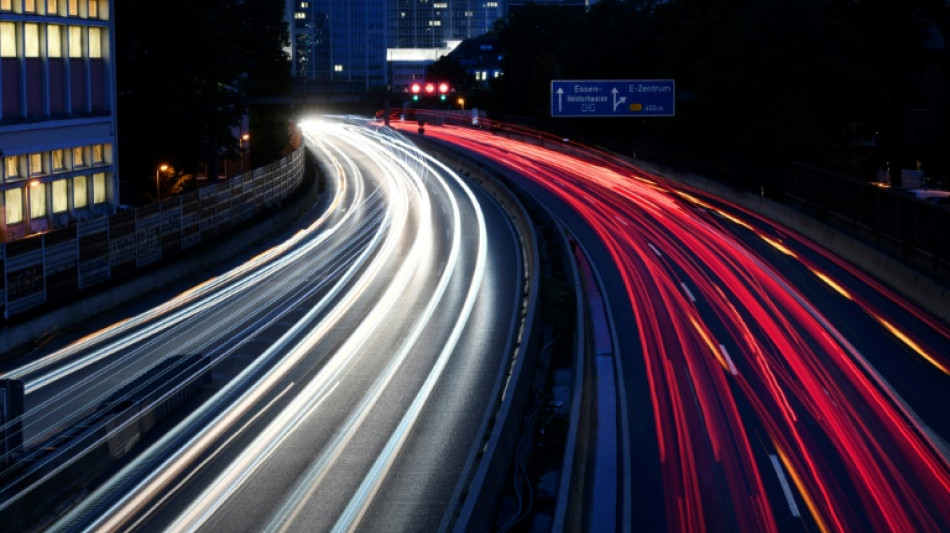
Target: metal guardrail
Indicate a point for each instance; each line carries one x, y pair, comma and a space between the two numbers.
55, 266
894, 221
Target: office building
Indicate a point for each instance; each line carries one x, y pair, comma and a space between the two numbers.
339, 41
378, 43
422, 32
57, 114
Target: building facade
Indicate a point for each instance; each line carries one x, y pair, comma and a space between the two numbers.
57, 114
339, 41
420, 32
381, 43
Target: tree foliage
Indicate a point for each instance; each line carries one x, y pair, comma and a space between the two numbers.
760, 81
185, 71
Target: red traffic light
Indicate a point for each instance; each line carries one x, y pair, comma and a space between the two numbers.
430, 88
415, 88
443, 87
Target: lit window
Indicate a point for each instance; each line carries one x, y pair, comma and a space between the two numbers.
77, 157
12, 166
97, 154
93, 9
59, 159
435, 23
29, 6
37, 200
6, 5
31, 36
304, 5
60, 196
99, 188
7, 39
52, 7
14, 206
337, 68
72, 8
54, 41
75, 41
36, 164
300, 15
80, 192
95, 43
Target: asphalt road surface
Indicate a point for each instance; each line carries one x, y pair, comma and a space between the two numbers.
353, 364
766, 385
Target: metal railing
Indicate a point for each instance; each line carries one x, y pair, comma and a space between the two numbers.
895, 221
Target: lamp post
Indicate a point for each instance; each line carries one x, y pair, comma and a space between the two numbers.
462, 103
244, 138
158, 190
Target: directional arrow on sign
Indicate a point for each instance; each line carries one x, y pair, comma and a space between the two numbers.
630, 98
616, 101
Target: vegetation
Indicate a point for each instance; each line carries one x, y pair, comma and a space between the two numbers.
186, 72
760, 82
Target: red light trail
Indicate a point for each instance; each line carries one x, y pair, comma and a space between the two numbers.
731, 348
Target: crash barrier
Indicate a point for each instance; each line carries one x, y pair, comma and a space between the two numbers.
54, 267
55, 470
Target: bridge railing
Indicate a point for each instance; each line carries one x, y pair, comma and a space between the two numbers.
894, 221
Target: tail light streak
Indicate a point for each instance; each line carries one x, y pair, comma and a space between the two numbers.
789, 362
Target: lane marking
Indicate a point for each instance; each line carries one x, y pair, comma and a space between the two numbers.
785, 486
688, 292
725, 353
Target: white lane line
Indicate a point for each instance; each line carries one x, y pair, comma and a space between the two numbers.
785, 486
657, 252
725, 353
688, 292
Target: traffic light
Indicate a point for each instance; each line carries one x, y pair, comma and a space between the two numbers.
429, 89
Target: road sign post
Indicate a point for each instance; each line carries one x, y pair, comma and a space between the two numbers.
613, 98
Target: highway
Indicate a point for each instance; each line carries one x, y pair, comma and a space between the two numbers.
353, 364
764, 384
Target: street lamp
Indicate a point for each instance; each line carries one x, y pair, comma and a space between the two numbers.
462, 103
244, 138
158, 190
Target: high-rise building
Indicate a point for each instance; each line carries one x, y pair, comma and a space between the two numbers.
57, 114
422, 31
432, 24
339, 41
381, 42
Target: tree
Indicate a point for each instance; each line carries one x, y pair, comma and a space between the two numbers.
185, 71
